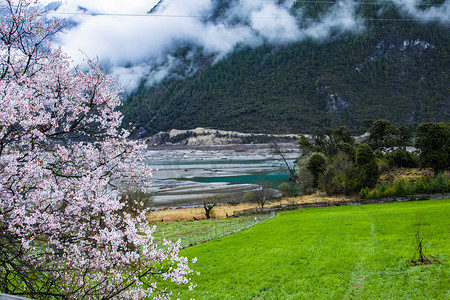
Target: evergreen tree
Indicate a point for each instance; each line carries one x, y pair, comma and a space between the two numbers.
433, 141
367, 165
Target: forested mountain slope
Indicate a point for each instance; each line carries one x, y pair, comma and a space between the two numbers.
395, 69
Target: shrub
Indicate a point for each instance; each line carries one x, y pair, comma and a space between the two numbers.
422, 185
391, 191
401, 188
306, 179
403, 159
341, 176
385, 164
316, 165
378, 153
440, 184
379, 191
288, 190
367, 165
382, 187
310, 190
374, 194
364, 193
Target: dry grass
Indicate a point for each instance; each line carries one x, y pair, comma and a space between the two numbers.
409, 174
221, 211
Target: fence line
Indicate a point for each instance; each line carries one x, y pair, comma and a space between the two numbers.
266, 213
194, 238
284, 207
217, 230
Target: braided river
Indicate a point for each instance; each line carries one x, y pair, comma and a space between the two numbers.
183, 175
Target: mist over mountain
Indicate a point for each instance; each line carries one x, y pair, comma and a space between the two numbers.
281, 66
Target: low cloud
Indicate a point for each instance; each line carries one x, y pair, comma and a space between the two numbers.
342, 19
135, 44
424, 13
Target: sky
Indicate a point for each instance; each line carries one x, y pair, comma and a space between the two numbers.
133, 45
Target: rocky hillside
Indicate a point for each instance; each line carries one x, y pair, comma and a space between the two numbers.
207, 137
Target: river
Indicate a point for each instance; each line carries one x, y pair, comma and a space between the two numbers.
185, 174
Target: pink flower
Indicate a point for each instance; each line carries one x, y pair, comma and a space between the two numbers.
61, 151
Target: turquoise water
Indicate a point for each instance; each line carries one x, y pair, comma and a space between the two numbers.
268, 172
216, 162
274, 179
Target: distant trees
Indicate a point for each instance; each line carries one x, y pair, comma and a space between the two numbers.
305, 146
433, 141
328, 142
384, 135
332, 161
392, 140
345, 174
402, 158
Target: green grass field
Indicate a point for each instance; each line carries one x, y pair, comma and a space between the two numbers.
191, 233
351, 252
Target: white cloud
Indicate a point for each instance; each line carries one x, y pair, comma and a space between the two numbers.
275, 23
129, 77
342, 19
107, 6
133, 43
414, 9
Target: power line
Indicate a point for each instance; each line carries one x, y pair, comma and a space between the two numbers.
359, 3
256, 17
125, 15
131, 15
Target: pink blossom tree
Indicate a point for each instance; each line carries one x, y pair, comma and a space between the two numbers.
63, 233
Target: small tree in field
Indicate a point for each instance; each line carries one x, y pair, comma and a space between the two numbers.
260, 196
209, 203
62, 232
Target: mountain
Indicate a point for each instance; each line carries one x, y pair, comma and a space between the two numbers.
395, 69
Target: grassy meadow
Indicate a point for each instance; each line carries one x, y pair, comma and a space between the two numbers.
191, 233
346, 252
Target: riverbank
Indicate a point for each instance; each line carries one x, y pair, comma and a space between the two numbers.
184, 174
